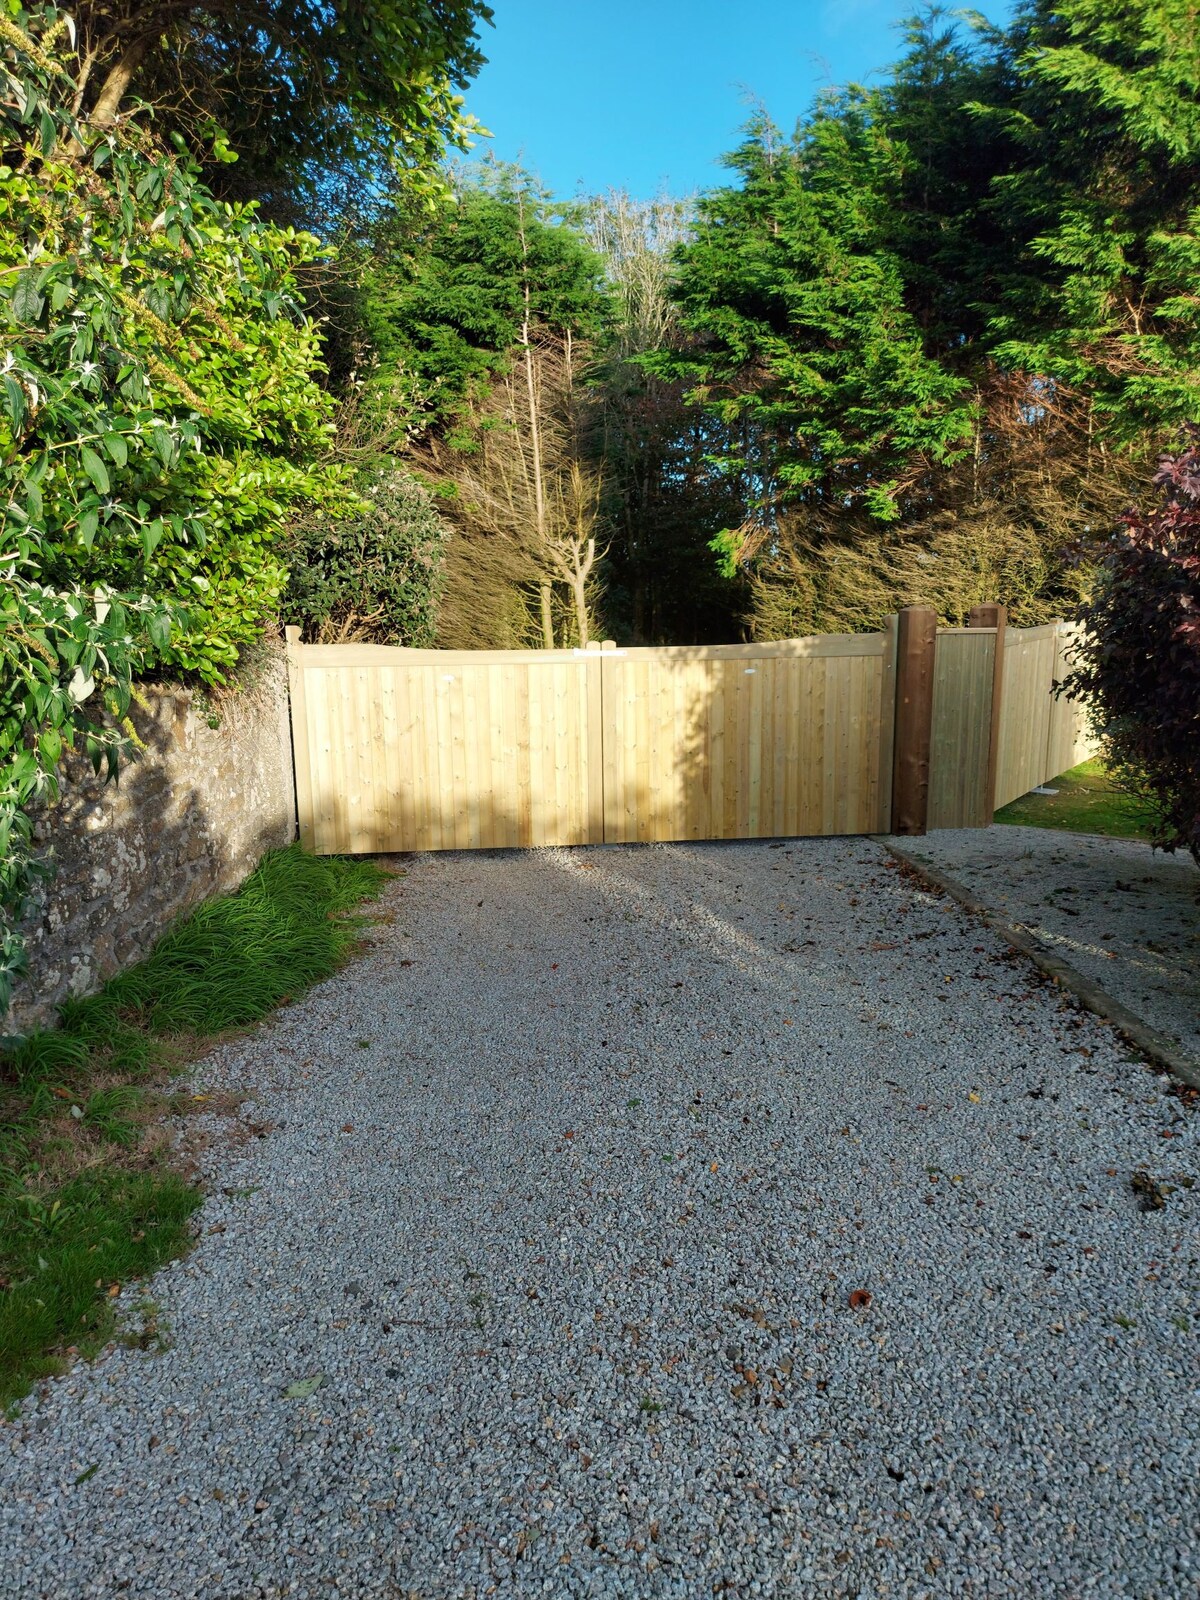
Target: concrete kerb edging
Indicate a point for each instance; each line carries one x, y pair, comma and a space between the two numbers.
1157, 1046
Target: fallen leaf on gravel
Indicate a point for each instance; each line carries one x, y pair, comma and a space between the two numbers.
860, 1299
880, 944
1151, 1193
406, 963
974, 1098
303, 1387
88, 1472
347, 1127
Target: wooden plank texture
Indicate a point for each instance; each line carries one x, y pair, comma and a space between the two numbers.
440, 750
1041, 735
959, 791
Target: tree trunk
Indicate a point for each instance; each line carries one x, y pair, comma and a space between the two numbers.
579, 592
116, 85
547, 616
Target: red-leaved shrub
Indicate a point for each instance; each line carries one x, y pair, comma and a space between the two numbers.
1139, 660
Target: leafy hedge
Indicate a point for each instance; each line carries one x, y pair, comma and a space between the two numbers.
160, 417
1139, 663
375, 574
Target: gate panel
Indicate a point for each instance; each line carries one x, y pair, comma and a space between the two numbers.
439, 750
747, 741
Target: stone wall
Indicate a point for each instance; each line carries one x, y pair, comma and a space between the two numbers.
187, 819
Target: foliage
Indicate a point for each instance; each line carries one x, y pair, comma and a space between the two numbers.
967, 291
1103, 206
159, 417
804, 345
444, 295
374, 575
664, 498
1139, 661
317, 101
482, 318
87, 1198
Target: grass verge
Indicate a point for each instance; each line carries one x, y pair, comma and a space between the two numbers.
91, 1196
1088, 801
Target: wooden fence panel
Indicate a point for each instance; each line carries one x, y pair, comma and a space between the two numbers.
444, 750
440, 750
959, 789
746, 742
1029, 658
1041, 734
1070, 739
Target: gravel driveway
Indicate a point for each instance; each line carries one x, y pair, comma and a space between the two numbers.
572, 1181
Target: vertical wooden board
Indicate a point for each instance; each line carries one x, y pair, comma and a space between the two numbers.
961, 737
711, 720
1025, 711
810, 739
833, 727
537, 760
319, 745
887, 723
864, 746
368, 736
566, 775
700, 766
340, 726
783, 744
402, 762
751, 697
677, 735
850, 776
858, 777
593, 715
574, 754
435, 755
424, 756
517, 718
646, 711
735, 758
610, 743
337, 779
476, 797
388, 790
341, 723
581, 701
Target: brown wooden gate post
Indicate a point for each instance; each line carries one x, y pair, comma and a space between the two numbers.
916, 648
992, 616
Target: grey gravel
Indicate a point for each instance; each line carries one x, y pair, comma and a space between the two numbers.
1125, 916
565, 1216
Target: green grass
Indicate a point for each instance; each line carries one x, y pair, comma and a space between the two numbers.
1088, 801
88, 1195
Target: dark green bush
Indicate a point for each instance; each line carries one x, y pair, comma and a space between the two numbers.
374, 575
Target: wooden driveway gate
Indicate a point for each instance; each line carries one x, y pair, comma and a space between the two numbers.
449, 750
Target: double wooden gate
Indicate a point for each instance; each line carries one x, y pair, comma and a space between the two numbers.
438, 750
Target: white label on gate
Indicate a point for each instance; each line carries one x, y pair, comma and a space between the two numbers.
749, 670
447, 677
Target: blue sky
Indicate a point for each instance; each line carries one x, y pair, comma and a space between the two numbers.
645, 94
